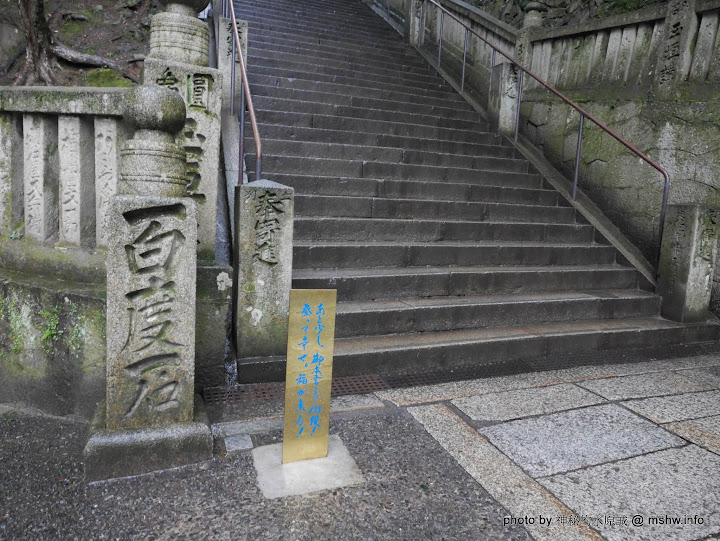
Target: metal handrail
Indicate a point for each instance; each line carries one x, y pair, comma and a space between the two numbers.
228, 11
583, 113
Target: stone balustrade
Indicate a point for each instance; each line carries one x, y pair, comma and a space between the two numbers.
59, 157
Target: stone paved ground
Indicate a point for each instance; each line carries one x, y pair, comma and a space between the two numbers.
627, 451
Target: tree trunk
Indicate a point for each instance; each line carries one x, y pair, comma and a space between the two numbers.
39, 57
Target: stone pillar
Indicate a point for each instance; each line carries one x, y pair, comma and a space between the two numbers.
40, 139
77, 175
414, 22
179, 54
534, 15
502, 98
263, 267
687, 258
11, 172
675, 57
177, 34
151, 419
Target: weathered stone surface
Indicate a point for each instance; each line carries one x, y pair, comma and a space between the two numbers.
525, 402
502, 100
676, 54
179, 37
666, 409
77, 173
83, 100
554, 443
704, 432
201, 89
151, 163
11, 172
121, 453
263, 267
687, 261
110, 135
639, 386
151, 311
680, 483
41, 176
225, 58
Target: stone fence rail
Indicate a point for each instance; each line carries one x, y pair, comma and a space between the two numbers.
59, 157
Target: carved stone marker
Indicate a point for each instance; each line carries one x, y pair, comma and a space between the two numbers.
263, 268
225, 57
201, 90
687, 260
308, 379
177, 34
502, 99
151, 419
675, 57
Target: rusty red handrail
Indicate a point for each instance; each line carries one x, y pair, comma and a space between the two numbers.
228, 10
583, 113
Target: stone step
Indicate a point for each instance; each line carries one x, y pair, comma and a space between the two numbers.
433, 352
298, 64
267, 40
340, 11
418, 352
308, 229
482, 156
382, 41
374, 207
483, 144
311, 255
320, 63
349, 77
329, 100
486, 167
386, 61
403, 129
431, 314
402, 282
349, 111
407, 189
352, 86
345, 21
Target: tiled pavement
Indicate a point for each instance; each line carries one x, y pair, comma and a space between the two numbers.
618, 452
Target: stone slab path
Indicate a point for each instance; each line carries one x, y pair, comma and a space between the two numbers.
616, 452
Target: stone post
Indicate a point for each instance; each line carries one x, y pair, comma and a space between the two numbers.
150, 420
534, 15
41, 186
502, 98
178, 60
675, 58
263, 267
414, 22
11, 172
687, 258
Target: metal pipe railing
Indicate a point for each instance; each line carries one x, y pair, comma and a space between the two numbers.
583, 113
228, 11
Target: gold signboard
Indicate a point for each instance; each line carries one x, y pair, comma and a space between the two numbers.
308, 379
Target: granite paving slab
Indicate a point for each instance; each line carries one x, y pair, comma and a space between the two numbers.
673, 485
520, 494
667, 409
565, 441
710, 375
525, 402
705, 432
644, 385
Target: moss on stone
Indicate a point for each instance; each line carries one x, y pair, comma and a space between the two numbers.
106, 77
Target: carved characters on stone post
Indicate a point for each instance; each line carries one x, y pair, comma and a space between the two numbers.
151, 311
675, 56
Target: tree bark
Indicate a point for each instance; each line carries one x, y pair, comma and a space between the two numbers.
42, 51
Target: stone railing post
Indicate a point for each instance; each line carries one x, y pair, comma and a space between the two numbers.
534, 14
414, 30
150, 419
675, 57
687, 260
11, 172
178, 60
263, 267
502, 98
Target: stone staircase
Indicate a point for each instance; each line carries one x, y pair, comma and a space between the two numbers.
447, 249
